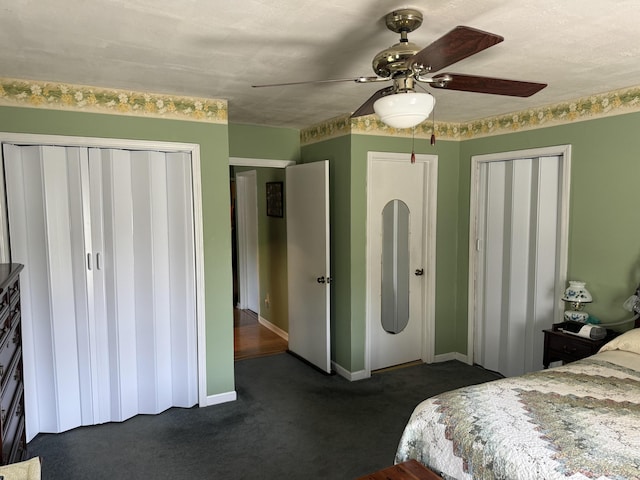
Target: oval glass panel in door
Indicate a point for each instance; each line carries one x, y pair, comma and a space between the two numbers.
395, 267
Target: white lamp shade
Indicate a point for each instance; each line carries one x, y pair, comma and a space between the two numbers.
576, 292
404, 110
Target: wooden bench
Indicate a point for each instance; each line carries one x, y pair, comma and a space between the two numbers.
410, 470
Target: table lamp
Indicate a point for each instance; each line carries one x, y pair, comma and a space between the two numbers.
576, 295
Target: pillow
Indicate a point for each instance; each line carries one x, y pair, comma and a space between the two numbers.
27, 470
629, 342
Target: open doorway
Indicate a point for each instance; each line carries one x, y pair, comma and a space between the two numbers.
258, 260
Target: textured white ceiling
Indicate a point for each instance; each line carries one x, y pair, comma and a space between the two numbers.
219, 48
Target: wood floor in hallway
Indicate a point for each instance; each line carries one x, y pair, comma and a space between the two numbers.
251, 339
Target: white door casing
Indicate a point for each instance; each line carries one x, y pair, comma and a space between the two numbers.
307, 211
391, 176
242, 204
518, 242
190, 178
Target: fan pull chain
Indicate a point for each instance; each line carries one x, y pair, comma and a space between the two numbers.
413, 142
433, 129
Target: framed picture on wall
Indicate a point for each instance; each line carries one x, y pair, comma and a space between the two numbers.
275, 204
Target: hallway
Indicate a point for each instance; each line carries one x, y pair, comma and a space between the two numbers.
251, 339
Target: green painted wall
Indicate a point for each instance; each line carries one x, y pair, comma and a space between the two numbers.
604, 232
273, 143
272, 244
604, 236
214, 153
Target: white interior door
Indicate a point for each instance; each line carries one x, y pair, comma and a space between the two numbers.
247, 224
307, 206
519, 256
109, 311
400, 263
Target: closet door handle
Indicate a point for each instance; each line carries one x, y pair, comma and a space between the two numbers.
98, 261
88, 261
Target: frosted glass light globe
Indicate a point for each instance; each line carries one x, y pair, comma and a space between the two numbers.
404, 110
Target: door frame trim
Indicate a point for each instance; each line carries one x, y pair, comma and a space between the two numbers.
259, 162
429, 253
241, 232
194, 150
563, 151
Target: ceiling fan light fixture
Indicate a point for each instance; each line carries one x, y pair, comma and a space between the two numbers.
405, 109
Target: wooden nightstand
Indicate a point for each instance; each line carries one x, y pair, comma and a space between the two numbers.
560, 346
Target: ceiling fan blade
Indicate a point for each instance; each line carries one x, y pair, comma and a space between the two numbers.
367, 107
459, 43
335, 80
495, 86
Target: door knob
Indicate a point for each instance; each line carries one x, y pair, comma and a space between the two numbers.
321, 279
419, 271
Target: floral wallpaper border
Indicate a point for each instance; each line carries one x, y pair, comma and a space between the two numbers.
36, 94
587, 108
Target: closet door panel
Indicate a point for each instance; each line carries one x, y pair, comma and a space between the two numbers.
40, 182
183, 289
153, 279
107, 237
494, 260
517, 283
99, 325
518, 259
27, 235
119, 271
82, 277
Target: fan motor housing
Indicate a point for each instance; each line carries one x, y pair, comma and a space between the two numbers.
393, 60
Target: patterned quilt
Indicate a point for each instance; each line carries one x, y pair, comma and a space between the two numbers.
579, 421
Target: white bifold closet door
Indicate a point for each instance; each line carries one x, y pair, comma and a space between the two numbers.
107, 239
518, 244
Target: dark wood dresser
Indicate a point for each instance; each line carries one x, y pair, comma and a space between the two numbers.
13, 445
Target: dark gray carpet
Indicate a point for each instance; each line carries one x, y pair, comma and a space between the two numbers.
289, 422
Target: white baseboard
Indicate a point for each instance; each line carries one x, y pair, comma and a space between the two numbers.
351, 376
445, 357
274, 328
221, 398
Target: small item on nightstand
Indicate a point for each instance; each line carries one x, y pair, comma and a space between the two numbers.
593, 320
587, 331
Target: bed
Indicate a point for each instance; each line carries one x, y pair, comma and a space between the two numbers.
578, 421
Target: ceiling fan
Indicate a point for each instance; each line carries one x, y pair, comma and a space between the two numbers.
407, 65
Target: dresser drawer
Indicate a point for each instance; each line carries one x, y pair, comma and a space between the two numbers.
13, 445
8, 348
12, 435
7, 322
10, 392
5, 302
13, 292
18, 450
